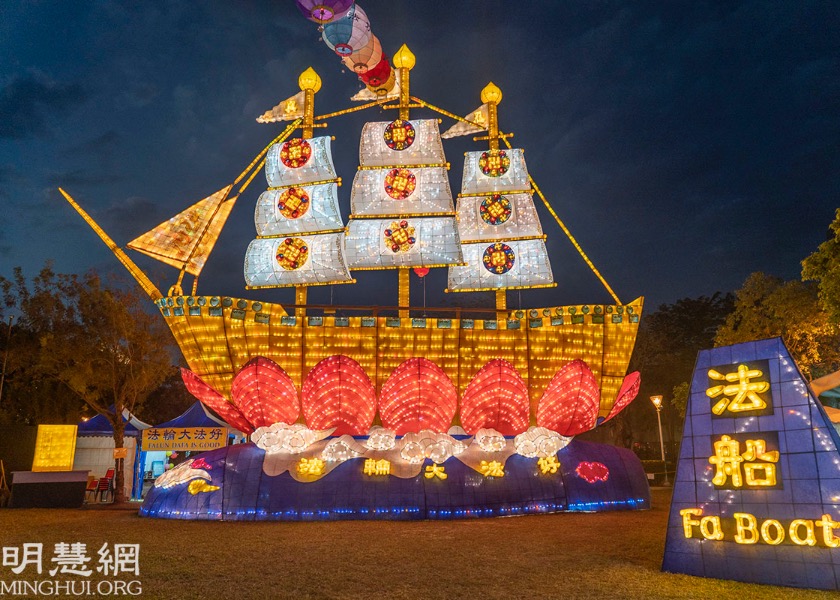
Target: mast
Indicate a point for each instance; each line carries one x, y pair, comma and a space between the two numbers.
300, 234
501, 235
402, 213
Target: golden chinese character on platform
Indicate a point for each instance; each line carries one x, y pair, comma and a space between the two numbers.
740, 396
492, 469
728, 461
310, 466
377, 467
435, 471
548, 464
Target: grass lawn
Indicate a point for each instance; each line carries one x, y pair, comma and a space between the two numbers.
607, 555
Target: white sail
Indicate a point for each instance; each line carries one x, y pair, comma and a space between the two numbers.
513, 179
500, 265
409, 242
401, 190
298, 161
296, 260
495, 217
419, 140
302, 209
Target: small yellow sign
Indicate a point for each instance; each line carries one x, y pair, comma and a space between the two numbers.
120, 453
55, 448
185, 439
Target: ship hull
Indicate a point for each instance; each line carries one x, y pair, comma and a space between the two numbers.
218, 335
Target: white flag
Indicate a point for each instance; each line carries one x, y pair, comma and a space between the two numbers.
288, 110
479, 116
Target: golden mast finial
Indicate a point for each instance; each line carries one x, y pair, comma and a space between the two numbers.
309, 80
404, 58
491, 93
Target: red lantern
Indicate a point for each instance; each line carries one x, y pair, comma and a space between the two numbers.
421, 271
379, 74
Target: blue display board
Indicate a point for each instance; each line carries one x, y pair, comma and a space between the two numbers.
757, 491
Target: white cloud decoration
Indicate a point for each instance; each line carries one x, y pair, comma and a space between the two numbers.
340, 449
180, 474
281, 437
416, 447
490, 440
380, 438
539, 442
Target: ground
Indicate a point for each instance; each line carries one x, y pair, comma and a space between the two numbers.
608, 555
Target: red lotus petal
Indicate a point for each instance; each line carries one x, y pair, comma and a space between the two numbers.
571, 401
338, 393
215, 401
496, 398
593, 471
418, 395
626, 394
264, 393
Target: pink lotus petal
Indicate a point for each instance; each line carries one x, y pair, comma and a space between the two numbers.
215, 401
418, 395
496, 398
264, 393
626, 394
571, 401
338, 393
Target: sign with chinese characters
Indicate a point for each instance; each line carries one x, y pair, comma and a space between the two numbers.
186, 439
755, 496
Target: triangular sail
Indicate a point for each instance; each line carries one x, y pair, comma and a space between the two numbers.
186, 240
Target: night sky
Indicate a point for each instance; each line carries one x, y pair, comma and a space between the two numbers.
685, 144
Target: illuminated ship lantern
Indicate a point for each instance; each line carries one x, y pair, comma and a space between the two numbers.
395, 412
324, 11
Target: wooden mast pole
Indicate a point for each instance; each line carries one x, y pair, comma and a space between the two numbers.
404, 61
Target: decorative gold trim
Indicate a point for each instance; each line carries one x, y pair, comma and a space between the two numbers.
429, 166
407, 267
511, 192
287, 285
512, 287
401, 215
298, 185
301, 233
505, 239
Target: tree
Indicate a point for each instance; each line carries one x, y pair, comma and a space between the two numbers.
823, 266
97, 342
767, 306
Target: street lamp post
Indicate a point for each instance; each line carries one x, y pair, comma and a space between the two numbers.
657, 402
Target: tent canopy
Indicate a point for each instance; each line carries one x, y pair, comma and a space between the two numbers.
195, 416
99, 425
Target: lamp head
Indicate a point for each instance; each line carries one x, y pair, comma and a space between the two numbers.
309, 80
404, 58
491, 94
657, 401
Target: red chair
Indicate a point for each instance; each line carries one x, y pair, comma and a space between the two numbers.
91, 486
104, 487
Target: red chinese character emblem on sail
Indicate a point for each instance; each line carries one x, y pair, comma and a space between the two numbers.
292, 253
495, 209
399, 134
494, 163
293, 203
295, 153
499, 258
399, 237
400, 183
